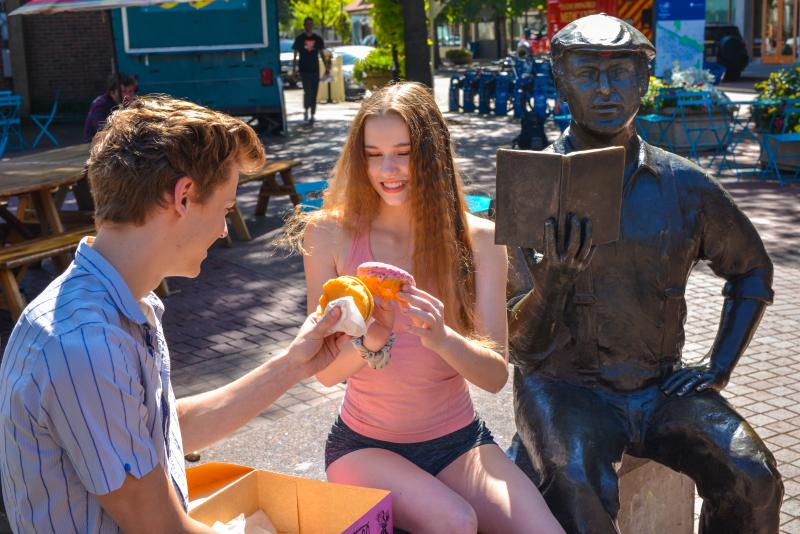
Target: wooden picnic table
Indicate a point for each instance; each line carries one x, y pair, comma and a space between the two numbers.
38, 175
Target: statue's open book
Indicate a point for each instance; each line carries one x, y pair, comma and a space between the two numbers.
535, 186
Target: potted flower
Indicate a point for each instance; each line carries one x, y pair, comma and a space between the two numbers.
662, 99
781, 86
375, 70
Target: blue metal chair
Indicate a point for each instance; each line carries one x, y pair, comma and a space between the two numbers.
311, 194
661, 122
43, 121
478, 204
716, 69
10, 105
695, 133
311, 198
773, 142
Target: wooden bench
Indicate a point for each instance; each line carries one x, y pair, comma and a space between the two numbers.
269, 184
27, 252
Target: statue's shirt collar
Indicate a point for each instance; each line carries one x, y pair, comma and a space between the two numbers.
647, 157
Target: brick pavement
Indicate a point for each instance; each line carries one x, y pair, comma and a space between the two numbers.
248, 301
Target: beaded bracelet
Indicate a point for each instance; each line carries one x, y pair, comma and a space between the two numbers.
378, 359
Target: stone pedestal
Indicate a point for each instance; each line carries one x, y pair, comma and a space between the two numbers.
654, 499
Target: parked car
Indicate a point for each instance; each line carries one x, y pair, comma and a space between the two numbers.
350, 54
724, 45
287, 55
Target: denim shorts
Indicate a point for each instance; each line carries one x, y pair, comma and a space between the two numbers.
431, 456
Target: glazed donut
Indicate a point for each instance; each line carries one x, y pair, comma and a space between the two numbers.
344, 286
384, 280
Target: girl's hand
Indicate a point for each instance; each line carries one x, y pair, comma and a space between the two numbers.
427, 316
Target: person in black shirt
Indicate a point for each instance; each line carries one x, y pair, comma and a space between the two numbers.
308, 45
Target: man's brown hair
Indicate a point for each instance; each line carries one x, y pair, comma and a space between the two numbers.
148, 145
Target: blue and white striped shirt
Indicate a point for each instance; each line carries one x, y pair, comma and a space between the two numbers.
85, 399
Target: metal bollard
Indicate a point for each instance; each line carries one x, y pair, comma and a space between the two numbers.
486, 92
470, 90
502, 93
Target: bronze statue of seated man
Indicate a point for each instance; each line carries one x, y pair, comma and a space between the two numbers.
597, 342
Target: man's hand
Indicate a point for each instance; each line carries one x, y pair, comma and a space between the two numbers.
696, 378
312, 349
561, 265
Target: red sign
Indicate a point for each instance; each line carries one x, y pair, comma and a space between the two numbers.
562, 12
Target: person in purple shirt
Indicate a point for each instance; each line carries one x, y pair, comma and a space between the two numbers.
121, 88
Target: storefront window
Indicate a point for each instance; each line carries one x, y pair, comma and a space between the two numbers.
486, 31
720, 11
779, 41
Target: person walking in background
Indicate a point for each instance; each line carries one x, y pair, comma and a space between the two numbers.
308, 46
121, 89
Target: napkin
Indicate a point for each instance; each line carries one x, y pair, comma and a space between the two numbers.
257, 523
350, 322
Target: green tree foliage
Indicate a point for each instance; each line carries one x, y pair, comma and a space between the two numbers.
470, 10
326, 14
387, 17
285, 15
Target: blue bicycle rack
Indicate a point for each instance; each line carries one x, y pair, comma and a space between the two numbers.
504, 84
455, 87
523, 88
543, 90
470, 90
485, 92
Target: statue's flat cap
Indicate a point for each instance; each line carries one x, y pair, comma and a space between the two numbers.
600, 33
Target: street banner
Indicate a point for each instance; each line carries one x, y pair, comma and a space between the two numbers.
680, 25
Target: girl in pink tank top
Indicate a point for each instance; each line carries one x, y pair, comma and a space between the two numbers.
410, 427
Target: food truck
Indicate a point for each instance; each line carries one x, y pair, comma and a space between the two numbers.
224, 54
639, 13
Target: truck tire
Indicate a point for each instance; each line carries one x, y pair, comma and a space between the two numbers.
732, 53
268, 124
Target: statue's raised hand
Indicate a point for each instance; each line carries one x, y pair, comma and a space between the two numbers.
566, 253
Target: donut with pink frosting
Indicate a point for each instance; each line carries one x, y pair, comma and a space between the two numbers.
384, 280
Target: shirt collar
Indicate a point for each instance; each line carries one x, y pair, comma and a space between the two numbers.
647, 157
646, 160
91, 260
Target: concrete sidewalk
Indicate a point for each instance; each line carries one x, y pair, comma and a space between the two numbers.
247, 304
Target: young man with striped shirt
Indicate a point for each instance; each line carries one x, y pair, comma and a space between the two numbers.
91, 435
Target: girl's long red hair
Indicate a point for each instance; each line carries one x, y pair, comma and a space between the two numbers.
442, 246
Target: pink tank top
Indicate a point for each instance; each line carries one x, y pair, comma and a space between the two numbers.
417, 397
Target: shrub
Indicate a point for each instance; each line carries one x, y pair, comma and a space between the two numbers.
459, 56
379, 60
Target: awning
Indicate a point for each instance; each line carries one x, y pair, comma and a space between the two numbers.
57, 6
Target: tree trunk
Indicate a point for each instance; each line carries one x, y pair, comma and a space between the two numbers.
418, 54
437, 58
